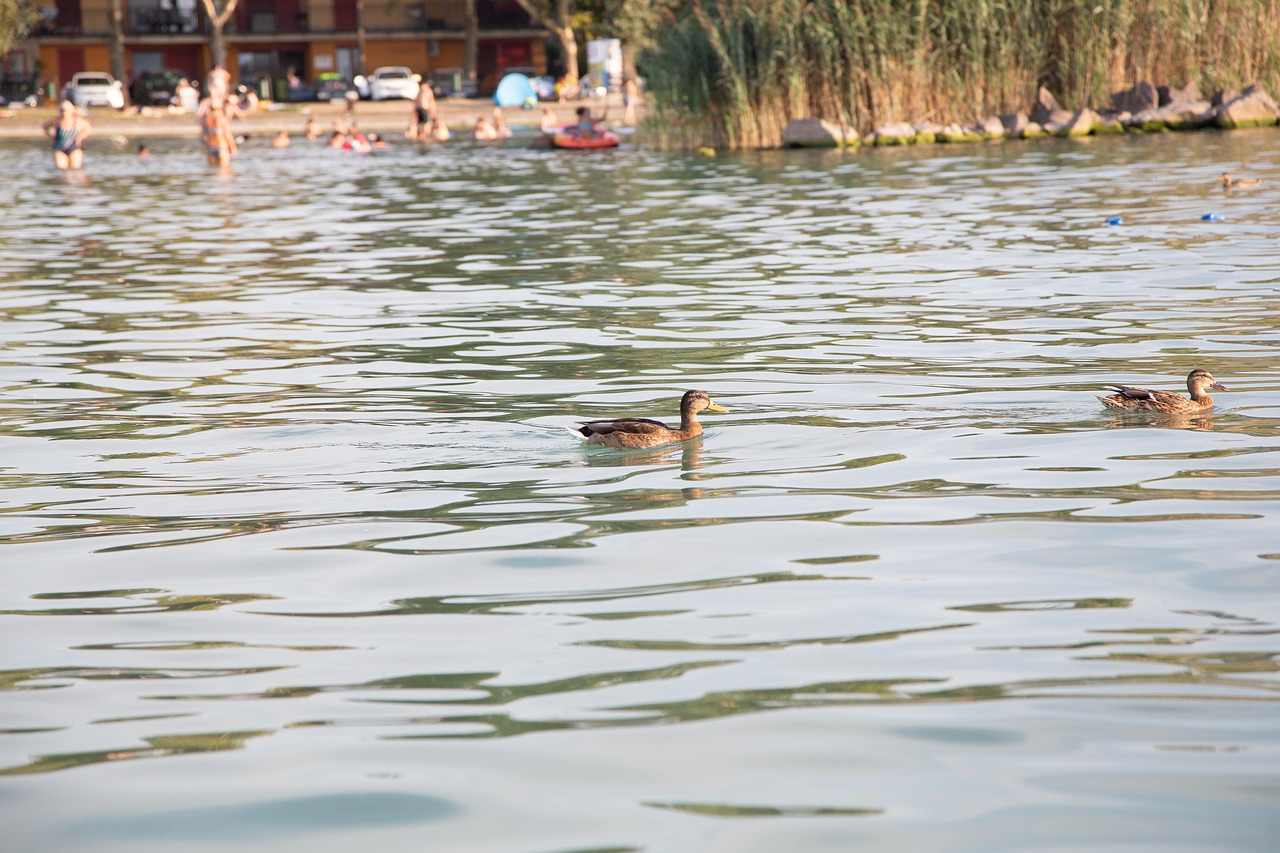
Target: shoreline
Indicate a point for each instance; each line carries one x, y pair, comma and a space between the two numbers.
389, 117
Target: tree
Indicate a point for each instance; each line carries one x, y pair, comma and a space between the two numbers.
17, 17
219, 12
555, 15
470, 48
116, 45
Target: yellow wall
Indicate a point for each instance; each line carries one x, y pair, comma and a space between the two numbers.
410, 53
320, 15
95, 16
318, 49
96, 58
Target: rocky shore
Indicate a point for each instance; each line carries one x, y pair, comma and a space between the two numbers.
1143, 109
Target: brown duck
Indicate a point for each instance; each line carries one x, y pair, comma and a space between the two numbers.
1132, 399
635, 433
1238, 183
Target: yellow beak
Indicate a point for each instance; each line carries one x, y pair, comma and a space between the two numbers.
712, 407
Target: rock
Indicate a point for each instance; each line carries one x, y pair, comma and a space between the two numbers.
1224, 96
897, 133
1143, 96
816, 133
990, 128
955, 133
1183, 114
1015, 123
1047, 109
1148, 121
1169, 95
1033, 130
1254, 108
1081, 124
926, 132
1108, 127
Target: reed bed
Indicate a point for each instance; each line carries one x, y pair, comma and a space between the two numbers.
732, 73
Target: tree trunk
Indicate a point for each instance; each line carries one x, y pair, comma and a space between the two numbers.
569, 44
362, 58
115, 47
562, 28
217, 20
217, 45
555, 16
471, 48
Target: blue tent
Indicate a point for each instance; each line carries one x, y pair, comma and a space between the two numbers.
515, 90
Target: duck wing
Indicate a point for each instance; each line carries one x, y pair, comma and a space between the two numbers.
635, 426
1133, 393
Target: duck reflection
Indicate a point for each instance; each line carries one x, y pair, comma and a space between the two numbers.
689, 454
1202, 422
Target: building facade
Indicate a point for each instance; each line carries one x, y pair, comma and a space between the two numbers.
268, 39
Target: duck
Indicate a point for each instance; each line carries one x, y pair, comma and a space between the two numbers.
1238, 183
639, 433
1132, 399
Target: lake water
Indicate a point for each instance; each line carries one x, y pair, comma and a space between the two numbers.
297, 553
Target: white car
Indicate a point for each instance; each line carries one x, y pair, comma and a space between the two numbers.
94, 89
393, 81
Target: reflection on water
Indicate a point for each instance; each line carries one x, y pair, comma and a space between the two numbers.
918, 586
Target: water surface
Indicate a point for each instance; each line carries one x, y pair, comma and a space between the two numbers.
296, 550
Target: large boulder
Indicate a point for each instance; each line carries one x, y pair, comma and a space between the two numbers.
816, 133
1047, 110
990, 128
1254, 108
1170, 95
1081, 123
895, 133
1143, 96
1015, 123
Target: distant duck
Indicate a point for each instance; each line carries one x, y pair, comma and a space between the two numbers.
639, 433
1132, 399
1238, 183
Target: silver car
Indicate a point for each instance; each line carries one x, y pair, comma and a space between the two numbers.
94, 89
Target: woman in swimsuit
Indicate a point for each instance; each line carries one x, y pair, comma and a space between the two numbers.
67, 131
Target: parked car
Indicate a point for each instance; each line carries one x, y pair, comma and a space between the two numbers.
94, 89
156, 88
333, 87
393, 81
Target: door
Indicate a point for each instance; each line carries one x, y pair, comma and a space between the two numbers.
70, 61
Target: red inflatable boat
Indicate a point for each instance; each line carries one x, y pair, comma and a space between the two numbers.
569, 136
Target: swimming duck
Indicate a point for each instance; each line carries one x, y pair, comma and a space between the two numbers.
1132, 399
1238, 183
642, 432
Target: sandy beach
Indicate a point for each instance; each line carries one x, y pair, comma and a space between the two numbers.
381, 116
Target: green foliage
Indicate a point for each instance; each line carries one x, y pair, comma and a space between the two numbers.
17, 18
731, 73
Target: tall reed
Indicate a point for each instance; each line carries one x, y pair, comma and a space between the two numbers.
732, 73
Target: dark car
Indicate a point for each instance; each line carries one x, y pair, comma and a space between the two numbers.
333, 87
156, 88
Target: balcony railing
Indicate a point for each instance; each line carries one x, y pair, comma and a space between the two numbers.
162, 22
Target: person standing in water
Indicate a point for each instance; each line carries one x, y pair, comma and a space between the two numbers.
424, 110
215, 129
68, 131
